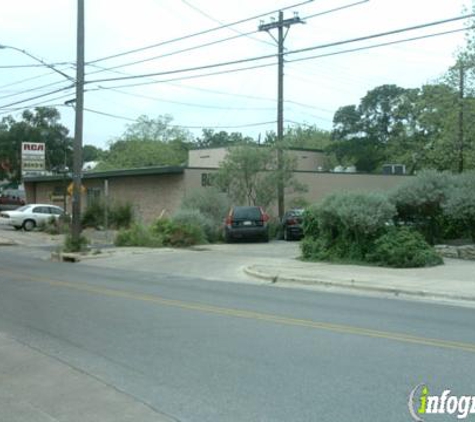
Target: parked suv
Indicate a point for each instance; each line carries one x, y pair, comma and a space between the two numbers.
246, 223
292, 224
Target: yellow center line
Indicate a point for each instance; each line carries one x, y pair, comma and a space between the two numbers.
239, 313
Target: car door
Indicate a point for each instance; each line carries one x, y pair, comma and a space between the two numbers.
41, 214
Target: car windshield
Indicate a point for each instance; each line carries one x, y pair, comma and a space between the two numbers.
296, 213
252, 213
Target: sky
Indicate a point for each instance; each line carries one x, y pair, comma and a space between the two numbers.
154, 42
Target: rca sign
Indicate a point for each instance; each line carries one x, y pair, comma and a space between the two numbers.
32, 158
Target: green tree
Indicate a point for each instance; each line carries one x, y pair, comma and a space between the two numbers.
249, 175
92, 153
212, 139
148, 142
40, 125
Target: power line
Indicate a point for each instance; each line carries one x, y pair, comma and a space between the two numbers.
173, 53
26, 91
203, 13
36, 97
302, 50
241, 34
353, 50
336, 9
148, 97
182, 78
206, 31
20, 66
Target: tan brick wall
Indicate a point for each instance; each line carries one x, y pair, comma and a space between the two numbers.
318, 184
209, 157
152, 195
149, 195
212, 157
307, 160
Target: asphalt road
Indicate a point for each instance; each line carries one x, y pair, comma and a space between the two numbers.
203, 350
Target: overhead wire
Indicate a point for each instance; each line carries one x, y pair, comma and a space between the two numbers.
207, 15
287, 53
206, 31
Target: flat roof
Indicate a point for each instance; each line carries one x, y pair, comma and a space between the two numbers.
145, 171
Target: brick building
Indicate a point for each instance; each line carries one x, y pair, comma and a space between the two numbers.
156, 190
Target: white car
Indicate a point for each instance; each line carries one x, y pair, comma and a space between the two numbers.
30, 216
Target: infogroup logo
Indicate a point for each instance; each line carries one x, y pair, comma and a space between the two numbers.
421, 403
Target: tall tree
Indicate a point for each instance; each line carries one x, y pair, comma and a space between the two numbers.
40, 125
148, 142
212, 139
249, 175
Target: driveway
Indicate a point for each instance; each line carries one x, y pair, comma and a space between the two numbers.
225, 262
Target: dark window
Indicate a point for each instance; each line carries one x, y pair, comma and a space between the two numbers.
55, 211
41, 210
250, 213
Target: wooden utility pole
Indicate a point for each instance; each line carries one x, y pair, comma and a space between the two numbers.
280, 24
78, 131
461, 143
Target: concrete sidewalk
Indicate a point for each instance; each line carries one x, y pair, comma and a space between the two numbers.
453, 281
37, 388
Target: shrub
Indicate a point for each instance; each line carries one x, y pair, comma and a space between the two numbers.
79, 245
195, 217
402, 247
137, 235
93, 216
55, 226
419, 203
119, 215
459, 206
344, 225
212, 203
171, 233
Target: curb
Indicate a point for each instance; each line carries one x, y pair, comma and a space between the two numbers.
7, 242
355, 286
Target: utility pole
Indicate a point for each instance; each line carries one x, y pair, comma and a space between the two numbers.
461, 117
78, 131
280, 25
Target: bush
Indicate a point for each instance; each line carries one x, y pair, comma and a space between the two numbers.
56, 226
459, 207
137, 235
119, 215
196, 218
345, 225
402, 247
93, 216
212, 203
80, 245
419, 203
171, 233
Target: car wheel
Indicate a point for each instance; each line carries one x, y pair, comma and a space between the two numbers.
266, 238
228, 238
29, 225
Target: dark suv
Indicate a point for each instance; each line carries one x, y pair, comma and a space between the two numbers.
246, 223
292, 224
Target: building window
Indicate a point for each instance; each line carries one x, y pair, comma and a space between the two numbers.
93, 196
206, 179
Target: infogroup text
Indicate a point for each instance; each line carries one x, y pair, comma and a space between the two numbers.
421, 403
